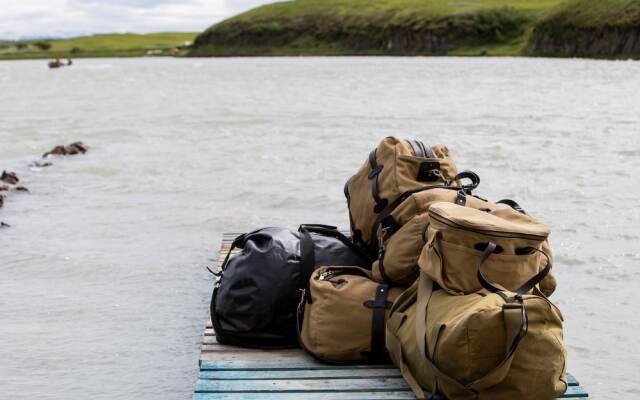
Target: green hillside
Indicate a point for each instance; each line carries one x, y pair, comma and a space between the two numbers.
109, 45
403, 27
587, 28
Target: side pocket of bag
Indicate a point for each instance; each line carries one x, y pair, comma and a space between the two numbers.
432, 261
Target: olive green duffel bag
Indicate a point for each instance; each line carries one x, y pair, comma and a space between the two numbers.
401, 232
393, 168
342, 316
462, 243
482, 346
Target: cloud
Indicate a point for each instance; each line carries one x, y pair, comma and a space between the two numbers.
64, 18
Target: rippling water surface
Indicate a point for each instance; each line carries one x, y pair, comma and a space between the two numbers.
103, 290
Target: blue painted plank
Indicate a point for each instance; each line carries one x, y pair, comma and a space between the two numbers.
337, 379
326, 373
400, 395
297, 385
297, 363
331, 395
575, 392
309, 368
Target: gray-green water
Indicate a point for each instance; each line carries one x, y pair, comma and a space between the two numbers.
103, 290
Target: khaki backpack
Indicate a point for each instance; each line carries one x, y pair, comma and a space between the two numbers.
401, 231
464, 243
393, 168
481, 346
344, 315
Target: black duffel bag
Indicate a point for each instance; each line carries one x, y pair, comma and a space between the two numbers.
256, 295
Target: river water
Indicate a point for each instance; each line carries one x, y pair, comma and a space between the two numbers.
103, 287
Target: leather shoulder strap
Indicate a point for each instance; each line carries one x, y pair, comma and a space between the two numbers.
395, 347
425, 290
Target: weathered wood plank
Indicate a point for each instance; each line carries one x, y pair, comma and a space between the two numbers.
281, 356
272, 370
301, 363
302, 385
364, 395
301, 374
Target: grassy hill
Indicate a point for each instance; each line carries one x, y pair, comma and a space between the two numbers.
588, 28
109, 45
406, 27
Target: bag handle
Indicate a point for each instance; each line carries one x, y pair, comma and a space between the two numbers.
526, 287
307, 261
237, 242
470, 175
332, 231
308, 253
461, 199
513, 204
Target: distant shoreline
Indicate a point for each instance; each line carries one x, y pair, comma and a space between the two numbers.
100, 46
603, 29
608, 29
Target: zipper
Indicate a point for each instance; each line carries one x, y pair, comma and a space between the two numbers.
327, 275
516, 235
332, 273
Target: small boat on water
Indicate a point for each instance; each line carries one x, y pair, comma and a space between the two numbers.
58, 64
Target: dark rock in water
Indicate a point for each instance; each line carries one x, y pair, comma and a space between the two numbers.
77, 147
72, 149
4, 225
41, 164
21, 189
58, 150
9, 177
4, 188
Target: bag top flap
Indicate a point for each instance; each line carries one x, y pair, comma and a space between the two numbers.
506, 222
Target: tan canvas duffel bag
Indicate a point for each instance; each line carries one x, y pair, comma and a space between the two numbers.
343, 315
481, 346
393, 168
401, 232
462, 243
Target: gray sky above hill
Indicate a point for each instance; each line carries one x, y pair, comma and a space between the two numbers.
53, 18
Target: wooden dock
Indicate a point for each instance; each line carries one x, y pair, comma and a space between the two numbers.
228, 372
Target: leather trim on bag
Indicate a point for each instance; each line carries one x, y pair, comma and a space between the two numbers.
376, 169
379, 306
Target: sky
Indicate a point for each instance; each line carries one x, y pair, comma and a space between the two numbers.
22, 19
